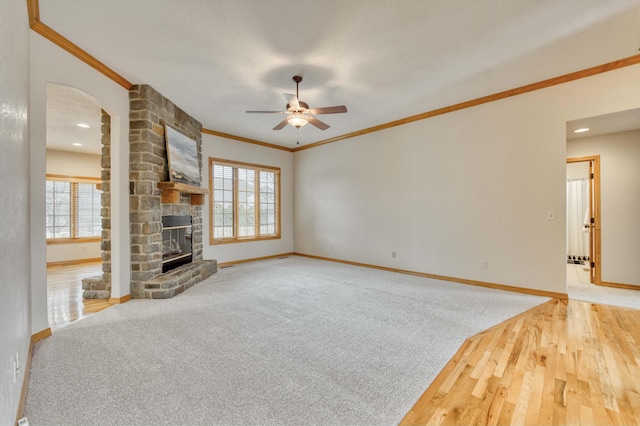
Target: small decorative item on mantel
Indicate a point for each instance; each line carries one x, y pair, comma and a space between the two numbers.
184, 169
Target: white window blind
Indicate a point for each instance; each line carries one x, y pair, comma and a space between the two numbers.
245, 201
73, 209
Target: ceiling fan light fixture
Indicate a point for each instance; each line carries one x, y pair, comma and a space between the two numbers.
297, 119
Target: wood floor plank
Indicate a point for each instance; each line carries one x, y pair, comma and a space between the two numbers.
534, 399
508, 352
559, 400
572, 401
64, 293
564, 362
496, 404
506, 413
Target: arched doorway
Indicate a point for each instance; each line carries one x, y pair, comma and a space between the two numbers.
77, 204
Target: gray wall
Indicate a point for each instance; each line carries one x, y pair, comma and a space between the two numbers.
450, 191
15, 311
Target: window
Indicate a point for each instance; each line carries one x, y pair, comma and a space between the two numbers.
72, 209
245, 202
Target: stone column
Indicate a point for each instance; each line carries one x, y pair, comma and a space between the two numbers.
100, 287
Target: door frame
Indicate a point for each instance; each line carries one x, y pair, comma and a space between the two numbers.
595, 252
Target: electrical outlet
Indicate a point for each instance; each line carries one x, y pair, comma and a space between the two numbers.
23, 422
484, 264
393, 254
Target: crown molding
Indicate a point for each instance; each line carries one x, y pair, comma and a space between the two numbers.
58, 39
588, 72
33, 8
246, 140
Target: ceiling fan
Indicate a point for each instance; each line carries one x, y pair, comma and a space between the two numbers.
299, 113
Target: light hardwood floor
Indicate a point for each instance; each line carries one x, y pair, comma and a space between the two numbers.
560, 363
64, 293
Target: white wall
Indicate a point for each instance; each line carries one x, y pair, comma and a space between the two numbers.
73, 164
15, 257
620, 201
217, 147
50, 64
80, 165
448, 192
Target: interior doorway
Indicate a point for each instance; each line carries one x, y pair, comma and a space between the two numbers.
74, 199
583, 215
610, 143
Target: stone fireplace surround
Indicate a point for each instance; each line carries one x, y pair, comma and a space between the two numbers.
149, 112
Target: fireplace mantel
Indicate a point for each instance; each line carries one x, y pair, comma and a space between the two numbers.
171, 192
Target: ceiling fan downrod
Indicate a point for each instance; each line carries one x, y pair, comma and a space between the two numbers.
297, 79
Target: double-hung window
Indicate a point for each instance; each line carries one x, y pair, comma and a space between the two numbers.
73, 209
245, 202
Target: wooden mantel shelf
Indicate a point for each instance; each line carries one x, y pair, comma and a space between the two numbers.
171, 192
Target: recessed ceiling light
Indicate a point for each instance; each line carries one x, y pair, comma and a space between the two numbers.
76, 144
84, 126
582, 130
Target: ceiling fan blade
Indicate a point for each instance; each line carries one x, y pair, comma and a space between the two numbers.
319, 124
281, 125
292, 100
265, 112
329, 110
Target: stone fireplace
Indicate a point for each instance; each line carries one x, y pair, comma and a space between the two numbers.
160, 266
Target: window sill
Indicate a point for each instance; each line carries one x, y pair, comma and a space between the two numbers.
73, 240
214, 242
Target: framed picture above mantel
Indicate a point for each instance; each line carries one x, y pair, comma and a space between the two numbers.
182, 157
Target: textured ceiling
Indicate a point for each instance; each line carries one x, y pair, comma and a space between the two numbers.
384, 60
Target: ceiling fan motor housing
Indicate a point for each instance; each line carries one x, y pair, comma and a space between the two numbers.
303, 106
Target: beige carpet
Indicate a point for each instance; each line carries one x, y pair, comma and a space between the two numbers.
287, 341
